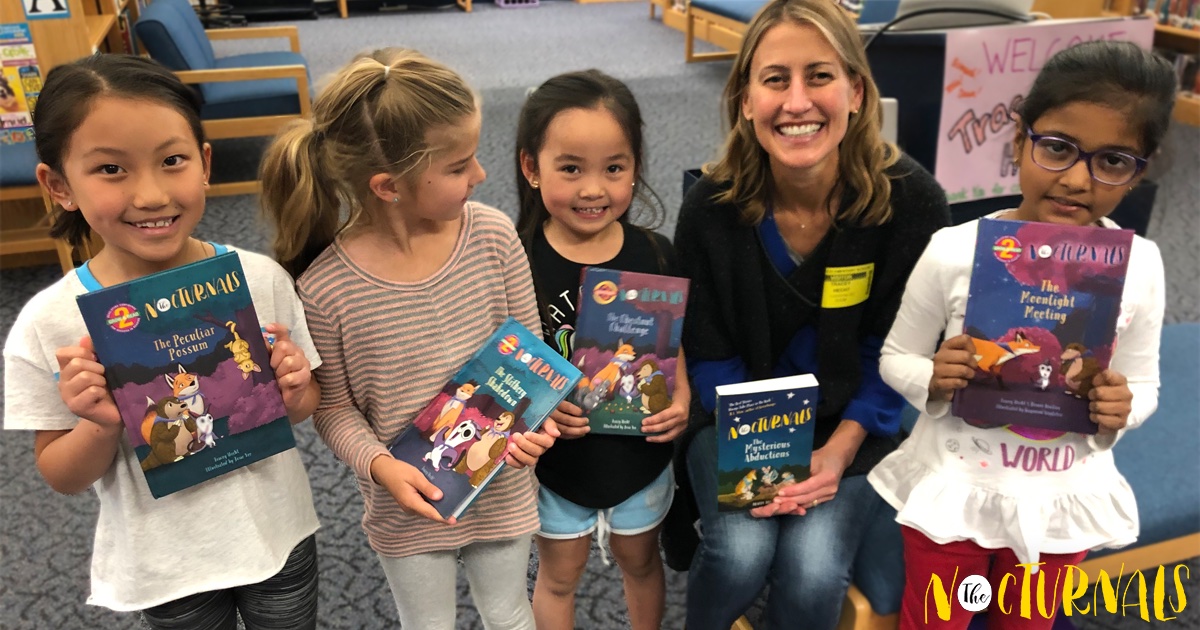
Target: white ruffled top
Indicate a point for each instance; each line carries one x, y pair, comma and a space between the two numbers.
1032, 491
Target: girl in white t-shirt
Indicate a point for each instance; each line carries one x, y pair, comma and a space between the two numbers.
1095, 114
123, 155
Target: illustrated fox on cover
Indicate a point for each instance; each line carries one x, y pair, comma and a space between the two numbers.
186, 378
1041, 312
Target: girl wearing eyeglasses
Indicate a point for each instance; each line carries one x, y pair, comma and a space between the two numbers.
1094, 115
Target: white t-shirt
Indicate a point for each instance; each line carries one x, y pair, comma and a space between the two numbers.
237, 529
1007, 487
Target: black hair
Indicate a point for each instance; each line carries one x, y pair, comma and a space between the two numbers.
66, 99
1120, 75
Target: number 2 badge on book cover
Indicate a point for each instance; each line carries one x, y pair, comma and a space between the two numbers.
459, 440
1042, 313
627, 345
185, 359
764, 439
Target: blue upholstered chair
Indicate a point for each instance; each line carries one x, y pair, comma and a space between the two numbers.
246, 95
18, 181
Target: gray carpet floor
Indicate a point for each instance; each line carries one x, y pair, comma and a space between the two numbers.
46, 539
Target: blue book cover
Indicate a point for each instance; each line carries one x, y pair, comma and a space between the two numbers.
459, 439
1042, 313
764, 439
185, 359
627, 345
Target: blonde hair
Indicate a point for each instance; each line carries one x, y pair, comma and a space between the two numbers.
373, 117
863, 154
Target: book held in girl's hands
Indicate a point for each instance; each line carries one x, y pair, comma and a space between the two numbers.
460, 438
1042, 313
627, 346
185, 359
764, 439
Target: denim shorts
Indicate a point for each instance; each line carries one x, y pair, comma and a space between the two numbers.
642, 512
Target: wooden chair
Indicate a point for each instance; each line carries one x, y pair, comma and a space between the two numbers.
246, 95
22, 234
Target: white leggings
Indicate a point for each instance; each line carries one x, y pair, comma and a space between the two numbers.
424, 585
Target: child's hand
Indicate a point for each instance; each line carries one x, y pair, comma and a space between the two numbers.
571, 422
292, 370
953, 366
668, 423
82, 386
1111, 401
525, 448
408, 487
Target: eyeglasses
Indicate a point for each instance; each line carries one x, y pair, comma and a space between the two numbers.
1107, 166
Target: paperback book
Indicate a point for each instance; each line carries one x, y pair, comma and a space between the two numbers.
764, 439
627, 346
1042, 314
190, 371
459, 440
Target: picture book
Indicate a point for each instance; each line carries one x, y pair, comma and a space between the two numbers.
190, 371
459, 440
627, 346
764, 439
1042, 313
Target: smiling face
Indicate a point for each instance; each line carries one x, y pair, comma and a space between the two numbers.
138, 174
1071, 196
799, 97
440, 191
585, 170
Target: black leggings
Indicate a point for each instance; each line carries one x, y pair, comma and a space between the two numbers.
287, 600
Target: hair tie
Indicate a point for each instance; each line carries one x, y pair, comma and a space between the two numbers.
386, 70
319, 136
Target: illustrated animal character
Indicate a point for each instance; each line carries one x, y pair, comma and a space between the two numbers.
484, 455
8, 97
768, 477
628, 388
453, 408
168, 429
745, 488
241, 352
991, 355
1045, 371
787, 479
601, 387
653, 386
205, 438
1079, 368
186, 387
450, 444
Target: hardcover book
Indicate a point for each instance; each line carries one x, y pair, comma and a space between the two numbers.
764, 439
1042, 313
627, 346
185, 359
459, 440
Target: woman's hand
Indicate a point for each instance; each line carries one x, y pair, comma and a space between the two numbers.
572, 424
827, 465
953, 367
411, 490
667, 424
1111, 401
82, 386
525, 448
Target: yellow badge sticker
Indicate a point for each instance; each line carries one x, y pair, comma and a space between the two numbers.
847, 286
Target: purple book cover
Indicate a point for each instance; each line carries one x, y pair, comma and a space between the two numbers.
1042, 313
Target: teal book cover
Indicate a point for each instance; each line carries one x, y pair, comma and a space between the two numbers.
764, 439
627, 346
508, 387
190, 371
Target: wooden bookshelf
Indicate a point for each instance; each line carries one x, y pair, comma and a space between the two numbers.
98, 27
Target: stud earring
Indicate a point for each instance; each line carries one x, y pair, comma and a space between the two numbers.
533, 183
67, 204
395, 200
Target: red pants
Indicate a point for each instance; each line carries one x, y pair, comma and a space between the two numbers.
924, 558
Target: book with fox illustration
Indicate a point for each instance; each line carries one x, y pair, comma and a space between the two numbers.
627, 346
764, 439
459, 440
1042, 313
185, 359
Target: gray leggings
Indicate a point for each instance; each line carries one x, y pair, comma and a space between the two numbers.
424, 585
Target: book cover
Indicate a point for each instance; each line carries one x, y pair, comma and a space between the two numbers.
1042, 312
458, 441
764, 439
185, 359
627, 346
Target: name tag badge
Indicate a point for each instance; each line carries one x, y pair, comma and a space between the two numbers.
847, 286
